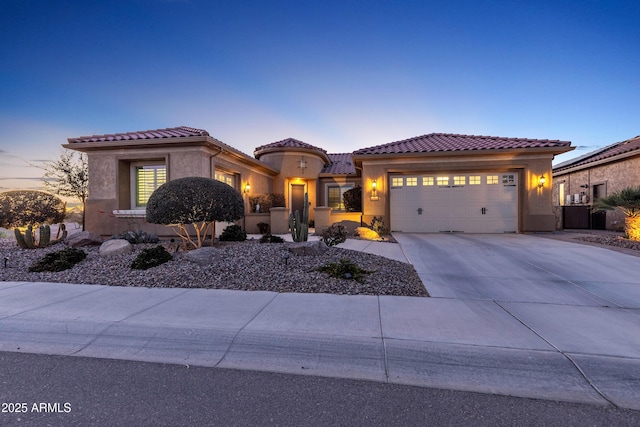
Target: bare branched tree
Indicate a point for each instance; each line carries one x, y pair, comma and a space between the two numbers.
68, 176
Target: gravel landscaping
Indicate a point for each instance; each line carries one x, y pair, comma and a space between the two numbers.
248, 265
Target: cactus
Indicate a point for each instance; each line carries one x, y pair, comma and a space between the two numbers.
45, 236
300, 226
28, 239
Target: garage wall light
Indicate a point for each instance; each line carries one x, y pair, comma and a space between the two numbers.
247, 188
541, 181
374, 190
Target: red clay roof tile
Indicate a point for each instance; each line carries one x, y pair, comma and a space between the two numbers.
177, 132
341, 164
288, 143
444, 142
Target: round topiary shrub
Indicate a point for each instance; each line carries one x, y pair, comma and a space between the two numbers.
21, 208
151, 257
194, 201
233, 233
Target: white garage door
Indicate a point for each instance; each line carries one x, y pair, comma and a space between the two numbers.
470, 203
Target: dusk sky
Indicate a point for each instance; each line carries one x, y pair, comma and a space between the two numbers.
340, 75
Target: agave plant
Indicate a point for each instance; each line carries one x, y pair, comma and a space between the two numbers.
626, 201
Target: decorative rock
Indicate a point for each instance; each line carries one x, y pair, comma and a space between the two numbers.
202, 256
115, 247
84, 238
308, 248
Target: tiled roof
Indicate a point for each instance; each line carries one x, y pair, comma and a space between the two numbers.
177, 132
288, 143
341, 164
607, 152
444, 142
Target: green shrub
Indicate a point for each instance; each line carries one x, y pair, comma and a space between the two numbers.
377, 225
233, 233
21, 208
344, 269
194, 201
262, 203
151, 257
269, 238
59, 260
334, 235
353, 200
136, 237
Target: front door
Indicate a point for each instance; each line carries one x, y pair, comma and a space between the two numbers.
297, 198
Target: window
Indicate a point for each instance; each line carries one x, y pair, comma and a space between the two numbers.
508, 179
459, 180
443, 181
412, 182
227, 178
428, 181
474, 180
492, 179
335, 193
146, 179
561, 195
397, 182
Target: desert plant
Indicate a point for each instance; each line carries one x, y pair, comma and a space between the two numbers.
335, 234
262, 203
151, 257
194, 201
68, 176
263, 227
233, 233
299, 225
353, 199
137, 237
21, 208
59, 260
29, 240
344, 269
270, 238
377, 225
626, 201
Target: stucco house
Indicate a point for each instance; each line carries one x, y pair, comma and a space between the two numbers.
430, 183
578, 182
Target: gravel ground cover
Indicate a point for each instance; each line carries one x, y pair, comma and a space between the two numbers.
248, 265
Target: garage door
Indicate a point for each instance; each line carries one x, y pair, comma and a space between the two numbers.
470, 203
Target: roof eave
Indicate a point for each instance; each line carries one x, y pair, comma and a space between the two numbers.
565, 170
321, 154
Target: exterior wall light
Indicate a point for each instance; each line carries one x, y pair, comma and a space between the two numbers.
247, 188
374, 190
541, 181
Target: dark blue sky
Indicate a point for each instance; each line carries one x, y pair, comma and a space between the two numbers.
340, 75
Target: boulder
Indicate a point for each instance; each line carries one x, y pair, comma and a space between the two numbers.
202, 256
308, 248
115, 247
84, 238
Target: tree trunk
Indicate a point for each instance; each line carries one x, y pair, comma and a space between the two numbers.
632, 227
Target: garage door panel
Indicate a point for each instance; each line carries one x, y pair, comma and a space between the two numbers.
487, 206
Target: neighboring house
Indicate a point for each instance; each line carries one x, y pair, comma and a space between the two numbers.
431, 183
577, 183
